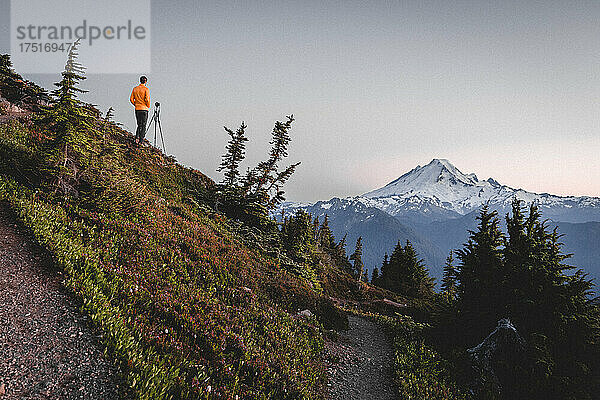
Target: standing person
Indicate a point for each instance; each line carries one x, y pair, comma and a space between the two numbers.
140, 98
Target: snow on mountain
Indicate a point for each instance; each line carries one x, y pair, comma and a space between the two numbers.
439, 191
440, 186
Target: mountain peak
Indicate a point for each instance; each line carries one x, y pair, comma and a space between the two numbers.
442, 161
439, 176
447, 166
442, 185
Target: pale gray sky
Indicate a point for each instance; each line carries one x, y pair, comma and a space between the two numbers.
505, 89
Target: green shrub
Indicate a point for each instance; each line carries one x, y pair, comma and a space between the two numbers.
421, 373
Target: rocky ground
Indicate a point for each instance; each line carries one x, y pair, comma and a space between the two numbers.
48, 350
360, 363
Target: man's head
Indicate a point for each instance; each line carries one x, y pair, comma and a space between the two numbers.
143, 79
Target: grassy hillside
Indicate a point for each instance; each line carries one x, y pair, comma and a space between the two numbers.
183, 303
190, 303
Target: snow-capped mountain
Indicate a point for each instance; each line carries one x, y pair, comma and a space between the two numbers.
441, 189
435, 205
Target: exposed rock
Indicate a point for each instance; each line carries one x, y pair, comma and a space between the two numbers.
10, 107
394, 304
385, 306
496, 358
305, 313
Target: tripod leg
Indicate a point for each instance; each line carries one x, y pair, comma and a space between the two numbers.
155, 133
161, 136
149, 124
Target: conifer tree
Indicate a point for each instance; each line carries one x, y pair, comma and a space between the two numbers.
66, 115
385, 274
391, 269
68, 120
341, 246
405, 273
551, 309
480, 274
449, 279
298, 237
264, 182
6, 69
414, 276
523, 277
236, 151
315, 230
326, 238
364, 276
356, 257
375, 276
17, 90
340, 256
249, 198
10, 87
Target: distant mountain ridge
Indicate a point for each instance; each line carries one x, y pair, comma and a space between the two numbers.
434, 206
380, 230
439, 185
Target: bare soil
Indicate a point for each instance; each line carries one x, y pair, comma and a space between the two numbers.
48, 349
360, 363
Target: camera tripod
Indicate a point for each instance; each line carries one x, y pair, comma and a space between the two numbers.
157, 126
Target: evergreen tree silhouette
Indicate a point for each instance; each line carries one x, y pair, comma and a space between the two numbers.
385, 275
551, 309
298, 236
17, 90
405, 273
68, 119
480, 274
326, 238
523, 277
341, 257
356, 257
414, 276
375, 276
236, 152
449, 279
249, 198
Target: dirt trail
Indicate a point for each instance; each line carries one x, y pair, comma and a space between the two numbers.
48, 350
361, 365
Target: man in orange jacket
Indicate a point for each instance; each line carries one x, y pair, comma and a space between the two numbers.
140, 98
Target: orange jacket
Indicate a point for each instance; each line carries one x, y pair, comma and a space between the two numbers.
140, 97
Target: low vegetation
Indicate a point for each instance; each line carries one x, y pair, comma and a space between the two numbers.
421, 372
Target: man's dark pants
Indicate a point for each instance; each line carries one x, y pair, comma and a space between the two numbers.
142, 118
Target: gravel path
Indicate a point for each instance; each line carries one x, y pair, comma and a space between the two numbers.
361, 363
48, 350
